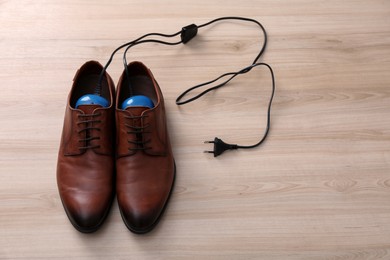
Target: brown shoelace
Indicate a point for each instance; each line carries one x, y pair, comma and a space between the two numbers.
138, 131
88, 121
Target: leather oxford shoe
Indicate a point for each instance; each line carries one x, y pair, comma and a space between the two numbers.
85, 168
145, 164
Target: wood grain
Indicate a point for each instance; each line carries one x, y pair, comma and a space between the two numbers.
318, 188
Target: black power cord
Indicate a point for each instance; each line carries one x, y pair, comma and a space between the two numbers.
131, 43
219, 145
186, 34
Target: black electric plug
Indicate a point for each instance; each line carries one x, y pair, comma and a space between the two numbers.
220, 146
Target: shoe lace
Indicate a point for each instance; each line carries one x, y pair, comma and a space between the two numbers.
88, 120
138, 131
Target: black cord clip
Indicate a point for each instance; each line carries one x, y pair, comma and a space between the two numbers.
188, 32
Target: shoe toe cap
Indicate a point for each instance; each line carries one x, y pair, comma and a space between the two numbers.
140, 219
86, 213
86, 222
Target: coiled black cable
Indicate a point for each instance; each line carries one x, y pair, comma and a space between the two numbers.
187, 33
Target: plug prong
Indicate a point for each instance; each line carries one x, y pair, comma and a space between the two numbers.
208, 151
209, 142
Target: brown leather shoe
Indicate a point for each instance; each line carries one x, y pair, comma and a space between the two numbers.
85, 168
145, 165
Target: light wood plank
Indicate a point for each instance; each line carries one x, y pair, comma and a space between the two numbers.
318, 188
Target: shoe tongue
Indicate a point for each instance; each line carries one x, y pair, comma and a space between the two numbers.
88, 109
136, 111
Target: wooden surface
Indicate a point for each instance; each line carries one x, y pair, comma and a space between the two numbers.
318, 188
